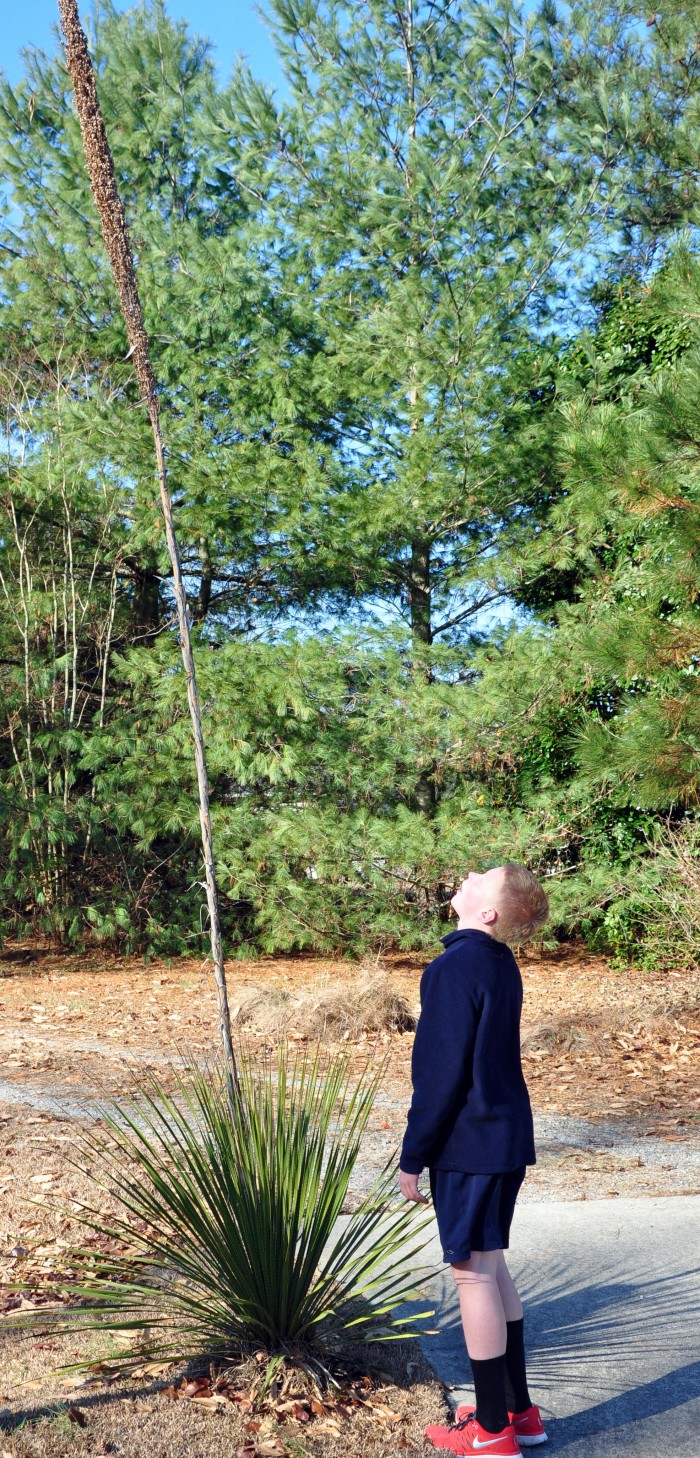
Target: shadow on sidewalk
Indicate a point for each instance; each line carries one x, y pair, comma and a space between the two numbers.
648, 1400
608, 1353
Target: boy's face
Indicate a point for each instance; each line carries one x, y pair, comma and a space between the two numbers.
479, 895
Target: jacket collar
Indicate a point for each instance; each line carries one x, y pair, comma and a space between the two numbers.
480, 938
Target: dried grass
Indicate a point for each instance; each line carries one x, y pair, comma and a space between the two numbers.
566, 1035
369, 1003
136, 1418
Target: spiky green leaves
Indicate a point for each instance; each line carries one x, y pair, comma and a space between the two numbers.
231, 1230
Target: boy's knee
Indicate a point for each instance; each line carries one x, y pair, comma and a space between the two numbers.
481, 1268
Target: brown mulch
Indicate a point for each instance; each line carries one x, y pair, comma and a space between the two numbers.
598, 1042
595, 1040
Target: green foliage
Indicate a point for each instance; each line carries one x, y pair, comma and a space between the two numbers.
636, 336
428, 206
632, 487
428, 344
226, 1234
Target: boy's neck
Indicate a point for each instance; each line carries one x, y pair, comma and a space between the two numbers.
473, 923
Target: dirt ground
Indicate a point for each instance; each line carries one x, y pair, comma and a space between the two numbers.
612, 1059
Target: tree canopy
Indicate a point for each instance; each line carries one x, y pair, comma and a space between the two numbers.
426, 331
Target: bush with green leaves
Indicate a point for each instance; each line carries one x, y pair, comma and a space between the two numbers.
228, 1236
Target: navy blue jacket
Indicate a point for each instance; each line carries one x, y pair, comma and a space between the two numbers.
470, 1109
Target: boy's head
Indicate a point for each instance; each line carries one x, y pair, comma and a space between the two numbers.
507, 902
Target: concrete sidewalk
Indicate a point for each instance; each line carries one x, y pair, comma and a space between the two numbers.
611, 1290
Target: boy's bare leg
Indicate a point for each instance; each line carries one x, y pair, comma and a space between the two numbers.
478, 1283
512, 1305
492, 1318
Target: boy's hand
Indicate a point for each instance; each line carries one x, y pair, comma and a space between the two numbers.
408, 1185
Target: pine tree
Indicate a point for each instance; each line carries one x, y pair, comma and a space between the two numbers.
436, 179
365, 308
438, 171
85, 574
236, 359
631, 467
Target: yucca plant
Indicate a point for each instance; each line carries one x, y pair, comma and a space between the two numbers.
226, 1237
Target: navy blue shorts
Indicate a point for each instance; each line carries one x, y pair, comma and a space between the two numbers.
473, 1211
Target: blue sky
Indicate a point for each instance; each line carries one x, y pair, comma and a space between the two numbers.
233, 27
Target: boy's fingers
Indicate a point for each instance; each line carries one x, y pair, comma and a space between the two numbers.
409, 1189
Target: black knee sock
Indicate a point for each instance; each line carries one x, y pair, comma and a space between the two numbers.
516, 1377
490, 1392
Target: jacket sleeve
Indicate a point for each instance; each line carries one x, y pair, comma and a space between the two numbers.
441, 1061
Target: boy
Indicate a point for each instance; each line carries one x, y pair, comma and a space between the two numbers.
470, 1124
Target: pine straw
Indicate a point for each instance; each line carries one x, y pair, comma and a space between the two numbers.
565, 1035
656, 1022
609, 1044
368, 1003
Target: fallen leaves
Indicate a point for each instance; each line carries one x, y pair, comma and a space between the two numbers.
586, 1027
147, 1369
269, 1448
595, 1160
288, 1402
602, 1043
38, 1274
602, 1047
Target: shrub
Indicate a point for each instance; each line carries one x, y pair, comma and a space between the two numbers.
227, 1236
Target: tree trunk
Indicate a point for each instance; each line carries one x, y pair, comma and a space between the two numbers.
419, 592
419, 586
201, 607
115, 233
422, 631
146, 600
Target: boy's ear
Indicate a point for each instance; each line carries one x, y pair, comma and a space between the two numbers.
489, 915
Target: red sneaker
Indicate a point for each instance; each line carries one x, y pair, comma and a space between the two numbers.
529, 1428
468, 1436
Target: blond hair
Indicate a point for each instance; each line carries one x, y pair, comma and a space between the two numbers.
525, 905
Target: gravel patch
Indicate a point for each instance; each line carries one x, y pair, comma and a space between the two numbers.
577, 1158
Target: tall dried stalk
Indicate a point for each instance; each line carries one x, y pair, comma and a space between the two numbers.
98, 158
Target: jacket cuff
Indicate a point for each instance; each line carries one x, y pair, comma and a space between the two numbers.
410, 1166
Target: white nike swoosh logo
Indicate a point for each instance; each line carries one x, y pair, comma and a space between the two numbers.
490, 1444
